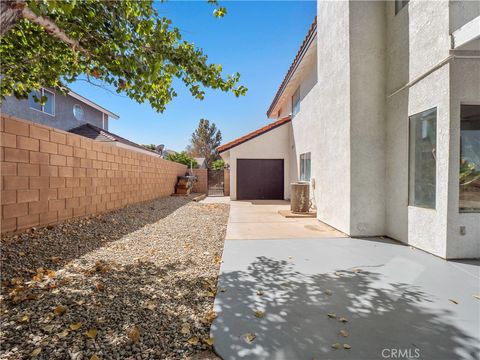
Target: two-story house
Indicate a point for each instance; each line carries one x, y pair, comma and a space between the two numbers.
71, 112
59, 111
380, 112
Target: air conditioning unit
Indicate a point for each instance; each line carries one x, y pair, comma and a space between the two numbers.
300, 197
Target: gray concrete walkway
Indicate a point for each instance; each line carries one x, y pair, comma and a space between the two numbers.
259, 219
396, 301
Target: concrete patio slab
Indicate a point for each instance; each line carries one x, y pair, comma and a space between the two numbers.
260, 219
398, 302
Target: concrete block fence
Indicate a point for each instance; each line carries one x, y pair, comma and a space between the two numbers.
50, 175
201, 186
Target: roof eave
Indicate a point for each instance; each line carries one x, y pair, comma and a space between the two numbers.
92, 104
307, 42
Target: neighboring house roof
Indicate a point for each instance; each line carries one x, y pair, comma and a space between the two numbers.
92, 104
312, 32
253, 134
95, 133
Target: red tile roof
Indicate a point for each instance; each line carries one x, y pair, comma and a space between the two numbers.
253, 134
298, 58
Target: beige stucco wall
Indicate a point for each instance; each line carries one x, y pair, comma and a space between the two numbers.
465, 89
273, 144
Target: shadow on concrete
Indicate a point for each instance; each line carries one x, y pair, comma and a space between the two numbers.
381, 317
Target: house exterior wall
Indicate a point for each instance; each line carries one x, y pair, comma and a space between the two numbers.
273, 144
464, 89
49, 175
374, 70
63, 118
418, 40
367, 117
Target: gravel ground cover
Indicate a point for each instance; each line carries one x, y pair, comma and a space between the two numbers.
136, 283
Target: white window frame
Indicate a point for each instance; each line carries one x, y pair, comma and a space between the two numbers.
42, 93
296, 101
303, 165
83, 112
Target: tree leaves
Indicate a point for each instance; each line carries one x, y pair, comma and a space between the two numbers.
124, 44
205, 141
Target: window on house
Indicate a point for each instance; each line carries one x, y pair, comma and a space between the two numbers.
305, 170
42, 100
422, 159
296, 102
469, 158
399, 5
78, 112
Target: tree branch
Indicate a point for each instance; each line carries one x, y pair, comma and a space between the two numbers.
52, 29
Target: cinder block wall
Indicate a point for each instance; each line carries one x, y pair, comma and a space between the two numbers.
201, 186
49, 175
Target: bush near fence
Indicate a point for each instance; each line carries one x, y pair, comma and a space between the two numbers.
49, 175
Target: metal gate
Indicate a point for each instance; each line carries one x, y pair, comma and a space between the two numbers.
215, 182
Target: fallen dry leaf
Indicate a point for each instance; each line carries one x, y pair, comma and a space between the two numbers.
151, 305
94, 357
185, 330
344, 333
36, 352
193, 340
332, 315
260, 292
59, 310
211, 315
25, 318
209, 341
476, 296
80, 302
92, 333
51, 274
259, 314
346, 346
343, 320
48, 328
75, 326
328, 292
63, 334
249, 337
453, 301
134, 333
336, 346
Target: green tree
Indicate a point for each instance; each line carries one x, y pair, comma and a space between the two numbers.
183, 158
152, 147
124, 44
218, 164
205, 141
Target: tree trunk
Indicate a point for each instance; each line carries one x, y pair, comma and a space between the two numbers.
10, 14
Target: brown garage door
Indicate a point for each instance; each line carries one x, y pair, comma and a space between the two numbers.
259, 179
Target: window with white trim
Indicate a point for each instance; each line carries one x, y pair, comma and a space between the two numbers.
42, 100
296, 102
305, 164
423, 159
78, 112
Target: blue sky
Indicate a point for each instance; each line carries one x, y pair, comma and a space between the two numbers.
257, 39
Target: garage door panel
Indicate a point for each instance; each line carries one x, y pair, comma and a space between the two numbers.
260, 179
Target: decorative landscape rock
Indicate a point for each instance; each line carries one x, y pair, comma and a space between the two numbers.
119, 285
